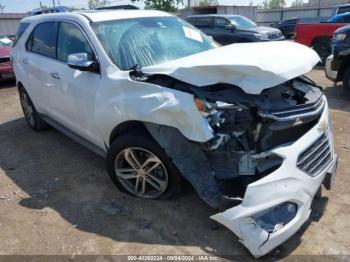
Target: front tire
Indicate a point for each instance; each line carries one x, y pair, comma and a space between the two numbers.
139, 166
323, 48
31, 116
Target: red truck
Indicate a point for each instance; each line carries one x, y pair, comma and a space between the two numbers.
318, 36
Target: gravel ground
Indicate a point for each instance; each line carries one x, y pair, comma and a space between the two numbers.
56, 199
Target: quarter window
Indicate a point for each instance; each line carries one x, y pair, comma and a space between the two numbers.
43, 39
21, 29
71, 40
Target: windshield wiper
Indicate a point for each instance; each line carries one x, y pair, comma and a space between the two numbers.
136, 72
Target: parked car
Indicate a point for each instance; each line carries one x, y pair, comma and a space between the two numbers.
162, 102
288, 27
341, 18
228, 29
338, 64
341, 9
6, 69
317, 36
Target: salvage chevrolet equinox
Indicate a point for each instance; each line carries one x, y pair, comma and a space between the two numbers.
163, 103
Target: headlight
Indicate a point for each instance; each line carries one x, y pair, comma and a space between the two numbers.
263, 36
340, 37
277, 217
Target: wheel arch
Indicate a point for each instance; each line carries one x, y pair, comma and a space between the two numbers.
320, 38
132, 126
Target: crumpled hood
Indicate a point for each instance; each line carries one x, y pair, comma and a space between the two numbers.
251, 66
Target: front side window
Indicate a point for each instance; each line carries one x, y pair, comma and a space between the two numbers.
71, 40
242, 22
43, 39
221, 22
151, 40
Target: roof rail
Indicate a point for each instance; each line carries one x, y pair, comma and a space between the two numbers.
58, 9
117, 7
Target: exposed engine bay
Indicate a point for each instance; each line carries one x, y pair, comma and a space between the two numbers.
246, 127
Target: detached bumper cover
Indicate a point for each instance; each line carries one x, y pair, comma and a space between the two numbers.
330, 74
288, 184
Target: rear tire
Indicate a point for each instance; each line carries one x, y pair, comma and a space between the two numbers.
31, 115
323, 48
162, 182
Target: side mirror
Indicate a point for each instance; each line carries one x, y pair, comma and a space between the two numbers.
80, 62
231, 27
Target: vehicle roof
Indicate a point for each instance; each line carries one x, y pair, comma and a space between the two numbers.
99, 15
215, 15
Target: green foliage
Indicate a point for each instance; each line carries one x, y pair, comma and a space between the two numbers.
297, 3
164, 5
206, 2
273, 4
97, 3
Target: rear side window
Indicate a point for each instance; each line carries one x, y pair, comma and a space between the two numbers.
71, 40
43, 39
221, 22
201, 22
21, 29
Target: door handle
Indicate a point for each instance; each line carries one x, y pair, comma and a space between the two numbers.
55, 75
25, 61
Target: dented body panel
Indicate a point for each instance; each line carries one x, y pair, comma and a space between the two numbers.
251, 66
286, 184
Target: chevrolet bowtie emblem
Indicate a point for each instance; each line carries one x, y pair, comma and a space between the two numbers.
323, 126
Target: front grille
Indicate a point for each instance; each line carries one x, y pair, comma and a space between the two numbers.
316, 157
4, 59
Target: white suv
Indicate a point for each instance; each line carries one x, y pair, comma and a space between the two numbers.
163, 102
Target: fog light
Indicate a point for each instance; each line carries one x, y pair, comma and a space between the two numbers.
277, 217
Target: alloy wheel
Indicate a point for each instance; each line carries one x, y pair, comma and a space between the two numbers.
27, 109
141, 172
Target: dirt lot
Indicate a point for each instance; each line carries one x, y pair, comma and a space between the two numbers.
53, 192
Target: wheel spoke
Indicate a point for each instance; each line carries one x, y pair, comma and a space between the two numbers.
158, 184
131, 158
140, 182
126, 173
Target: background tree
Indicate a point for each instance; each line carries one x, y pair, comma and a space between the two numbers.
93, 4
297, 3
206, 2
273, 4
164, 5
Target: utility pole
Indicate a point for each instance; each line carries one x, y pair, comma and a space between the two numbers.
54, 3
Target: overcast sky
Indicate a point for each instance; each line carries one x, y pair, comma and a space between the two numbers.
19, 6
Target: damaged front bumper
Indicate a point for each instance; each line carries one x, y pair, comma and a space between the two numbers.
286, 194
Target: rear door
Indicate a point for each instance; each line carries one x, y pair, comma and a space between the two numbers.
38, 58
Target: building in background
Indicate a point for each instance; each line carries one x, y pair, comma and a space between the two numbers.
327, 2
9, 22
